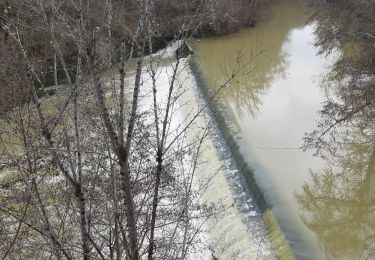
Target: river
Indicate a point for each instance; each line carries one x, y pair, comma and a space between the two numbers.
268, 109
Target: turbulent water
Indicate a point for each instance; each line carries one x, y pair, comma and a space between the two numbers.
236, 230
269, 107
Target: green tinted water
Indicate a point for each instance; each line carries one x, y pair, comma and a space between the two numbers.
270, 105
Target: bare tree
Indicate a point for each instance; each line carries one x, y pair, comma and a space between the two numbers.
104, 169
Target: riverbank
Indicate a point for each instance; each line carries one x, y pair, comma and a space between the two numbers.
172, 20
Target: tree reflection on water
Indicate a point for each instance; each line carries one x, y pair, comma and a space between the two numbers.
338, 203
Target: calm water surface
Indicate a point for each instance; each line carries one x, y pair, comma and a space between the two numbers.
271, 107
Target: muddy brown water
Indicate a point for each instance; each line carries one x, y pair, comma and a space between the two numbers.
270, 105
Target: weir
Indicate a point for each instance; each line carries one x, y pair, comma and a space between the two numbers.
280, 78
277, 238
